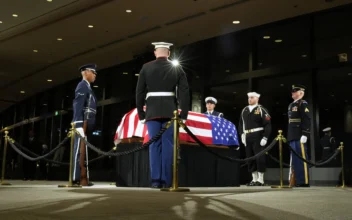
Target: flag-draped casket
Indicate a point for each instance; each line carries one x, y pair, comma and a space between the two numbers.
211, 130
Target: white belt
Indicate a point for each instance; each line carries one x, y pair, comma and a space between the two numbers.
253, 130
149, 94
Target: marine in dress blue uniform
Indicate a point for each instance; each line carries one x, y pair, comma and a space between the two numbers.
298, 133
210, 103
84, 111
157, 85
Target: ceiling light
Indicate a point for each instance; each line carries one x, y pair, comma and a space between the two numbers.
49, 80
22, 92
0, 22
14, 15
236, 22
234, 92
304, 55
95, 86
137, 74
278, 41
281, 85
90, 26
35, 51
45, 104
346, 100
350, 74
125, 73
197, 77
266, 37
59, 39
227, 71
128, 11
49, 0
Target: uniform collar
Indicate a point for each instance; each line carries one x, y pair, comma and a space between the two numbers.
87, 82
161, 58
296, 100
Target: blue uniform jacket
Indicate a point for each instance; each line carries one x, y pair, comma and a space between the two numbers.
215, 113
84, 105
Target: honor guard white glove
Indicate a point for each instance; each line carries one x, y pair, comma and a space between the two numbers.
243, 137
183, 121
142, 121
263, 142
303, 139
80, 131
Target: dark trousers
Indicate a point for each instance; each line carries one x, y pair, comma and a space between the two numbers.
77, 157
300, 167
252, 148
160, 153
29, 169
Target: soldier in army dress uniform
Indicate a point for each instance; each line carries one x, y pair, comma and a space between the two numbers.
298, 133
157, 85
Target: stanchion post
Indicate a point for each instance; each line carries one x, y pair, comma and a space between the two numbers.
3, 183
72, 133
280, 138
342, 167
174, 187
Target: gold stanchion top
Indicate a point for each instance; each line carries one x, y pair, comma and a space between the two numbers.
341, 144
175, 113
6, 133
280, 132
72, 125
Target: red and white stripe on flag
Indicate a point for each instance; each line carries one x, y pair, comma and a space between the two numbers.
198, 123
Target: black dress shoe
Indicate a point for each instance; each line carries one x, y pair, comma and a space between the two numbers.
259, 184
164, 186
90, 184
302, 185
155, 187
251, 183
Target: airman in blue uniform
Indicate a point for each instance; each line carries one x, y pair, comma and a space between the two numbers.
210, 105
84, 111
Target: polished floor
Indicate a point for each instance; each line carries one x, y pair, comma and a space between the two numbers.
44, 200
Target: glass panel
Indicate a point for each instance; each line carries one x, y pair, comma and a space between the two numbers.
335, 108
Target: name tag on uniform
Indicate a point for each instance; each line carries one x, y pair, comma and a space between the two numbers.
306, 110
294, 109
257, 112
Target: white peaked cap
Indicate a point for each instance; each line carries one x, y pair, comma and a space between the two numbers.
162, 45
253, 94
211, 99
327, 129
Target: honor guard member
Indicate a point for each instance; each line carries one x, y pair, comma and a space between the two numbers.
157, 84
255, 129
328, 144
84, 111
210, 104
298, 132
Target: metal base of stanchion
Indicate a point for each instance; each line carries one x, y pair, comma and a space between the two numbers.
69, 186
343, 186
5, 184
111, 184
281, 187
174, 190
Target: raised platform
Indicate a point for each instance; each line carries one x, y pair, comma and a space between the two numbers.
197, 167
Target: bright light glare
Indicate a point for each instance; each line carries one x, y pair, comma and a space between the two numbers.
175, 63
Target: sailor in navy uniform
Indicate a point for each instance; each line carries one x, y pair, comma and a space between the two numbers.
255, 129
157, 85
298, 133
84, 111
210, 103
328, 144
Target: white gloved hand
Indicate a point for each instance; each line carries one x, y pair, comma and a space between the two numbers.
183, 121
303, 139
243, 137
80, 131
142, 121
263, 142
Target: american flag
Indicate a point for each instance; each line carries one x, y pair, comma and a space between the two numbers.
211, 130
